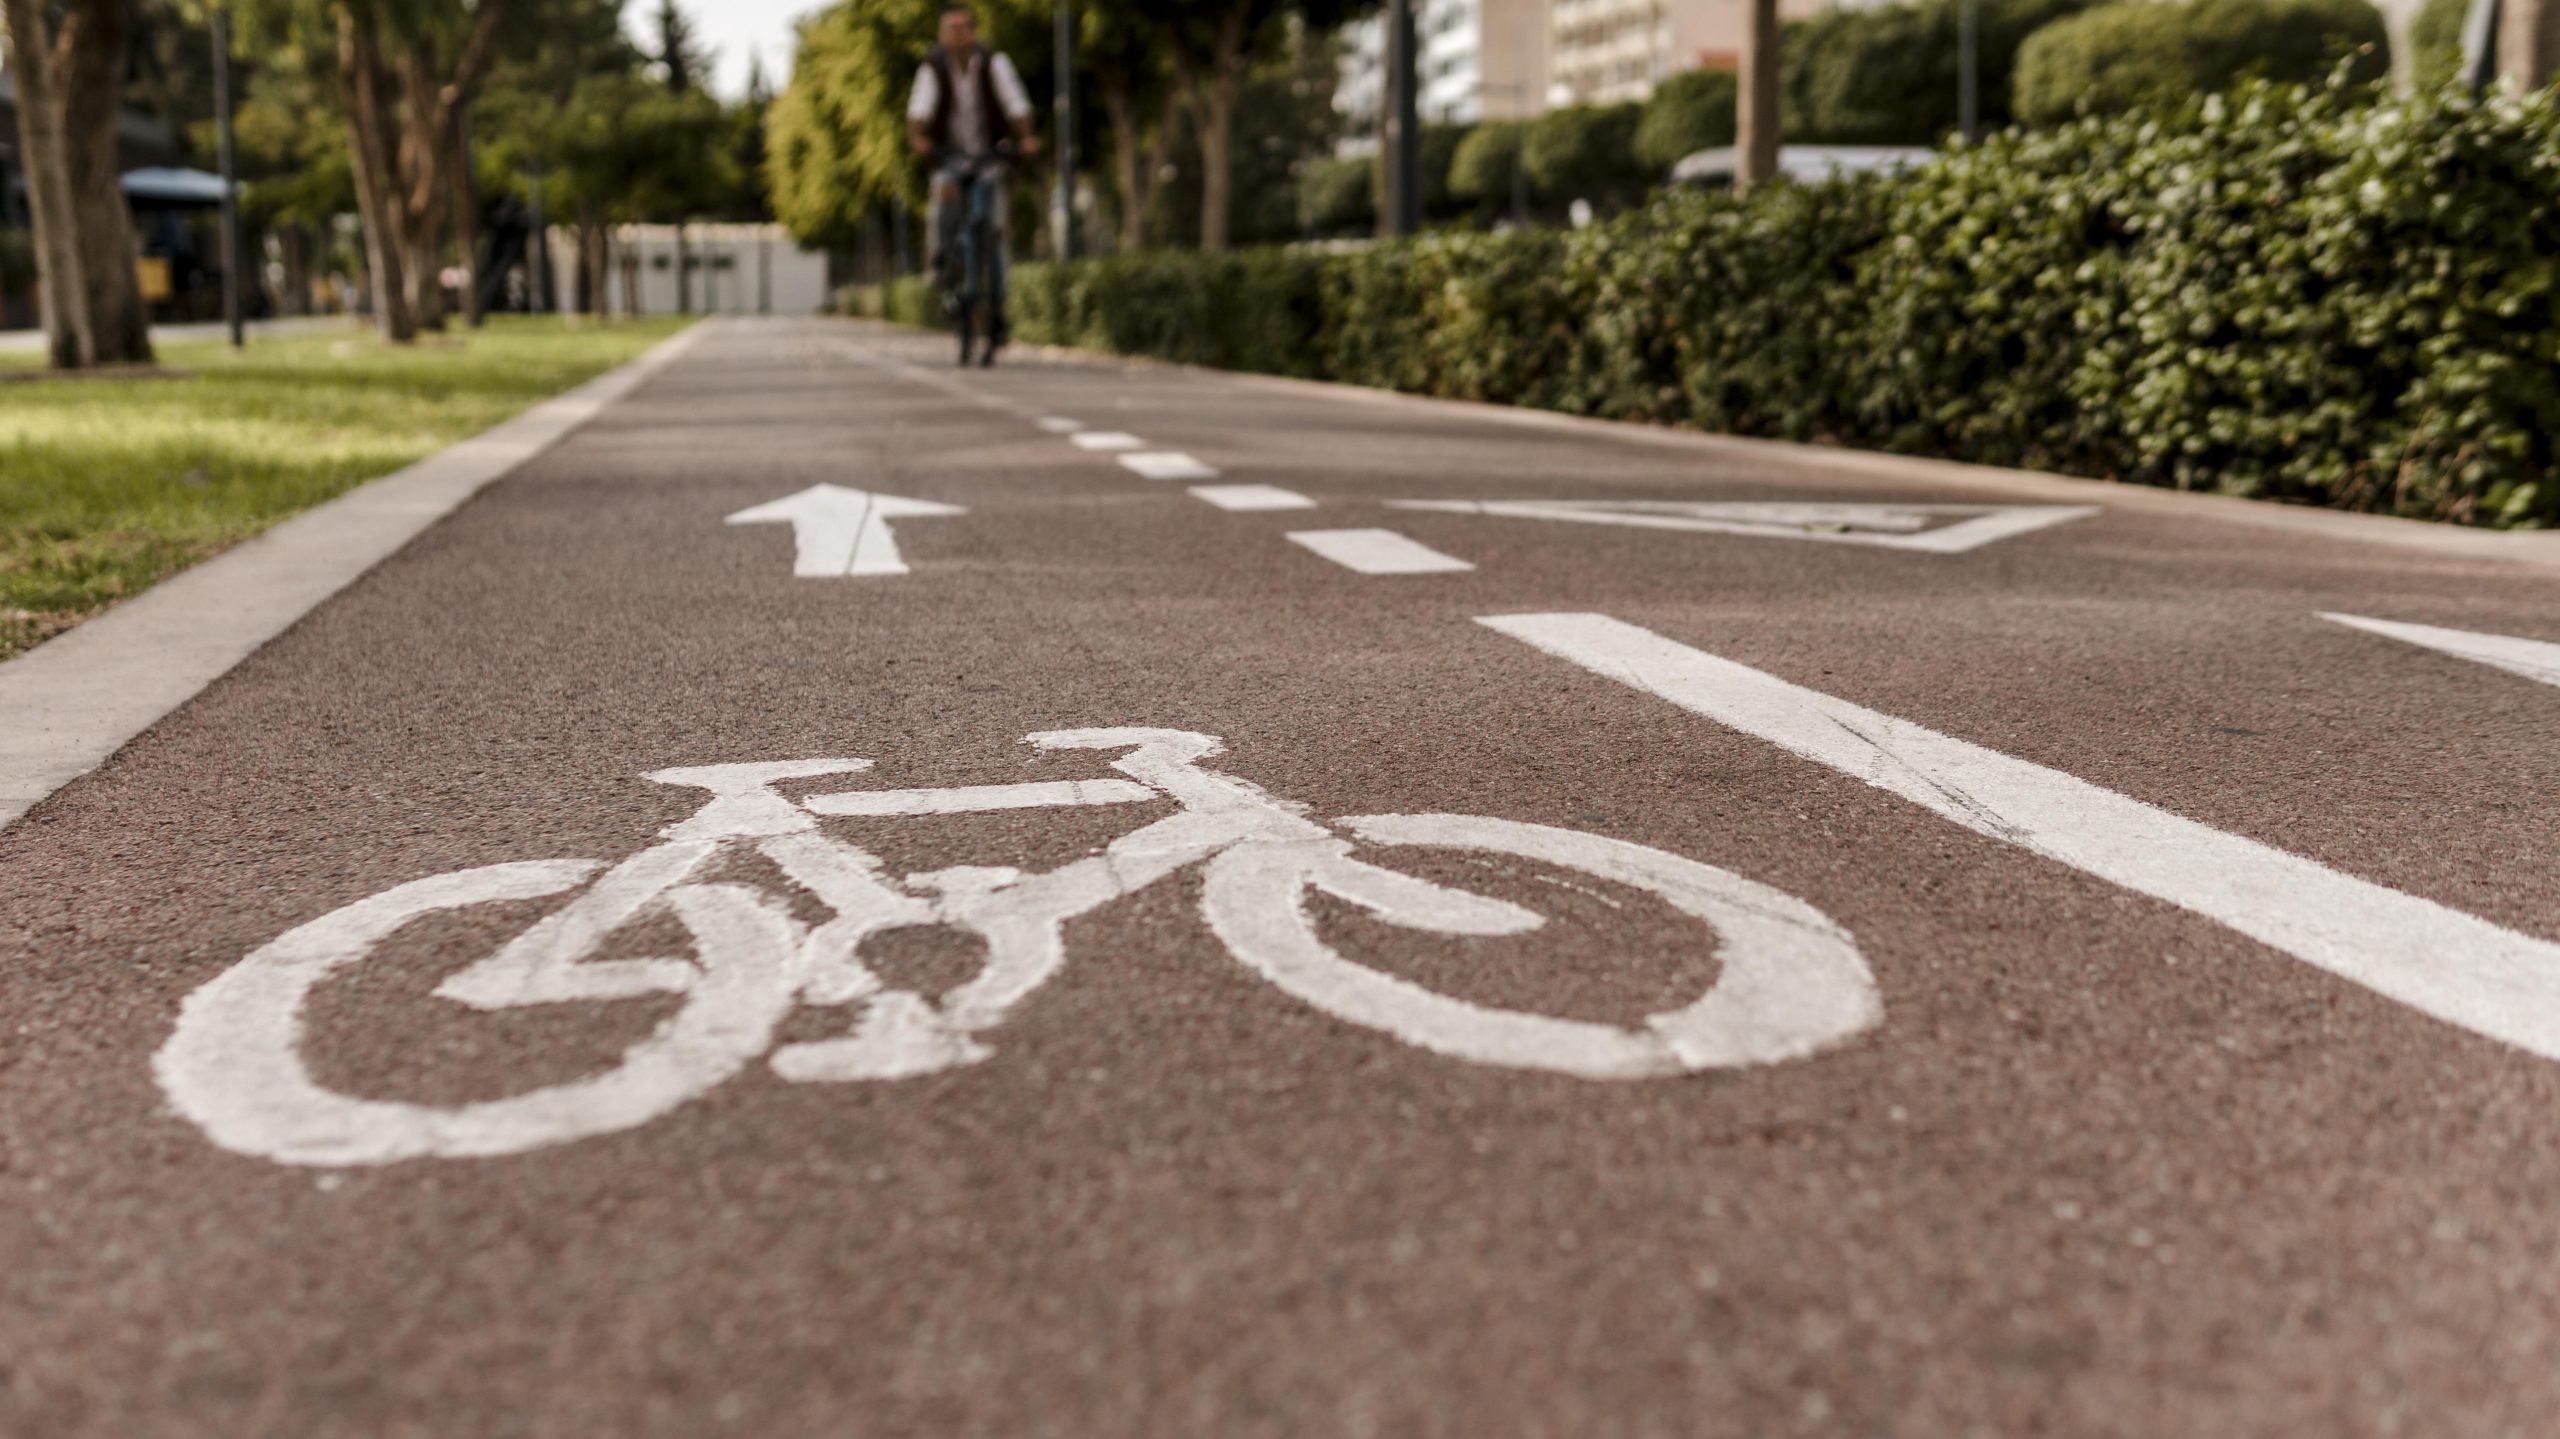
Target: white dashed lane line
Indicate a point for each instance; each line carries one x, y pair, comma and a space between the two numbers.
1060, 425
1106, 440
1378, 552
1167, 465
1252, 497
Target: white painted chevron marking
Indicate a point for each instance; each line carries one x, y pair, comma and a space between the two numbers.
1884, 526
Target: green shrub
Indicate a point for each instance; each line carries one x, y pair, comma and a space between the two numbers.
1586, 152
1481, 169
1440, 145
2143, 54
2297, 294
2435, 42
1691, 111
1887, 74
1336, 196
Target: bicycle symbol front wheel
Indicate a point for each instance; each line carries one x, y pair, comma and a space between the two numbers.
1791, 982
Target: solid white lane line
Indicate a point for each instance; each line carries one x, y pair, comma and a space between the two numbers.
2454, 966
1252, 497
1168, 465
1060, 425
2533, 659
1106, 440
1378, 552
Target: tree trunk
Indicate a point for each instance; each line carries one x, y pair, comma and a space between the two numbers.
684, 274
1210, 84
2529, 42
369, 126
425, 149
63, 288
90, 56
1756, 118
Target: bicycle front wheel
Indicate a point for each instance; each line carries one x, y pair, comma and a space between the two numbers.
1790, 982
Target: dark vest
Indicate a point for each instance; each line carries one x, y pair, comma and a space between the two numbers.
947, 89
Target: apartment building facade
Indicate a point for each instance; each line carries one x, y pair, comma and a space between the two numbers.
1477, 60
1600, 52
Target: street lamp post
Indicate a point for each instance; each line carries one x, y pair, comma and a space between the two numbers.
225, 147
1969, 70
1404, 107
1066, 131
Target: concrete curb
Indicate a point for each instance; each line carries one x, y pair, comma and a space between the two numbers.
70, 703
2538, 548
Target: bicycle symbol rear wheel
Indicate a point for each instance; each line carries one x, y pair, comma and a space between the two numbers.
235, 1064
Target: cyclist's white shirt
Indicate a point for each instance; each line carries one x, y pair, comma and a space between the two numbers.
970, 130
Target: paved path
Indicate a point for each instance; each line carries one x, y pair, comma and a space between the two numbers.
2002, 971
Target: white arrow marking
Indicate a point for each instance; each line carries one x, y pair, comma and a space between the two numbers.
843, 532
2457, 967
2533, 659
1893, 527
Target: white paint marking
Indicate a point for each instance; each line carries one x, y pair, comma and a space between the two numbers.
2533, 659
2456, 967
843, 532
1168, 465
1884, 526
1252, 497
980, 798
1378, 552
1106, 440
1061, 425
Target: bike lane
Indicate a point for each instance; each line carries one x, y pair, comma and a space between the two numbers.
2100, 1166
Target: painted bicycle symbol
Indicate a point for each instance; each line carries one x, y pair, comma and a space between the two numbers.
1788, 980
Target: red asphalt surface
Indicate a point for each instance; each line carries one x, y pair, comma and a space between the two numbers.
2104, 1167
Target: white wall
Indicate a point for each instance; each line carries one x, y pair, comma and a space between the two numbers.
737, 269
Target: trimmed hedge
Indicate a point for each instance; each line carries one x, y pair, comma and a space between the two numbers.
2300, 295
2142, 54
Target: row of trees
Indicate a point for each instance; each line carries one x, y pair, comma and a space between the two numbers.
417, 116
1162, 75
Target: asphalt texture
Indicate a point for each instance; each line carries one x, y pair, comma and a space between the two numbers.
2104, 1166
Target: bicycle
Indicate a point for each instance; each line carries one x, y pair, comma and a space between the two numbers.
1790, 982
973, 260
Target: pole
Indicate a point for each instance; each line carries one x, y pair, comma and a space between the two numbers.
1757, 140
538, 253
228, 151
1969, 70
2480, 46
1404, 126
473, 242
1066, 222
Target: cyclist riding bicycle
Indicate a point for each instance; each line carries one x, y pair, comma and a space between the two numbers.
965, 98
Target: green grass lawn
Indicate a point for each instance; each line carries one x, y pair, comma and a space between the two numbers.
110, 485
